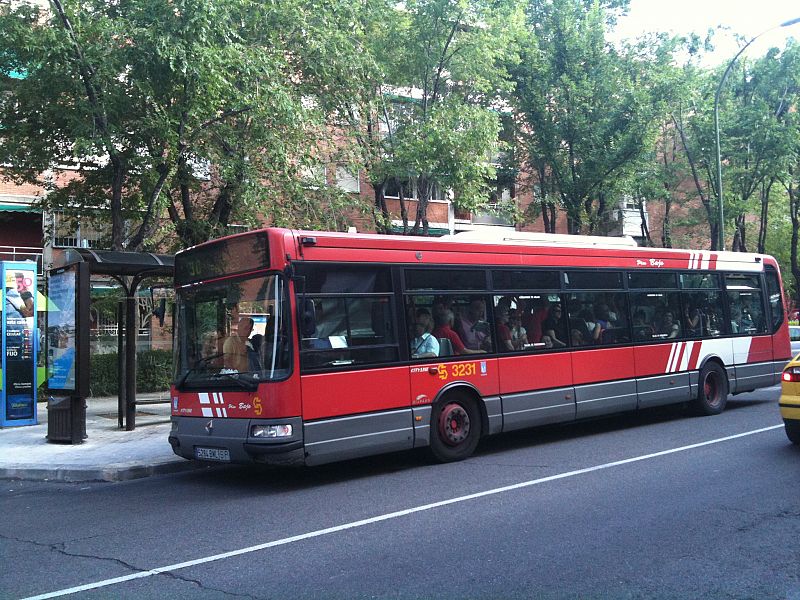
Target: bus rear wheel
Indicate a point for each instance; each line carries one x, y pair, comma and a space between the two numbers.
792, 428
456, 428
712, 393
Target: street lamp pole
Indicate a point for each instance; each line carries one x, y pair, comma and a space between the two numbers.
720, 222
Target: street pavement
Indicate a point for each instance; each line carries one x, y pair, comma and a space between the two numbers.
107, 454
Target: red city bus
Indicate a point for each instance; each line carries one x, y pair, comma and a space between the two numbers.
296, 347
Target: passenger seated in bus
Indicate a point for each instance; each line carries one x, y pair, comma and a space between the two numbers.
746, 321
504, 342
602, 323
694, 321
254, 355
519, 336
736, 318
533, 319
443, 319
666, 327
236, 348
576, 338
474, 330
424, 345
641, 329
211, 352
554, 327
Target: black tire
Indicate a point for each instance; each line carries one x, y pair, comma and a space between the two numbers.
455, 428
792, 428
712, 390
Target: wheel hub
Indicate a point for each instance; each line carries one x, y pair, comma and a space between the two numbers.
454, 424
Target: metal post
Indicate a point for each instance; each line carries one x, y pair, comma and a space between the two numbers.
131, 331
121, 396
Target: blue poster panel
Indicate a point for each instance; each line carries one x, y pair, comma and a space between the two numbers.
19, 344
61, 331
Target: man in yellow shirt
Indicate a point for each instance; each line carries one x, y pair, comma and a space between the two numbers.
237, 346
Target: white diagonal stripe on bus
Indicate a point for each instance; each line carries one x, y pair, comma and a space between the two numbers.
208, 412
203, 398
388, 516
687, 352
675, 357
669, 360
678, 354
706, 259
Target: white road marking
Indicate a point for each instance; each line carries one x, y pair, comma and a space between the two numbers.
385, 517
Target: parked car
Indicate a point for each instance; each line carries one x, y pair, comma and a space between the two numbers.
794, 337
790, 400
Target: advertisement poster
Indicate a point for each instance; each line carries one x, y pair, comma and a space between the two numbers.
20, 330
61, 331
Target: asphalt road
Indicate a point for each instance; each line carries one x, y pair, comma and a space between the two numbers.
650, 505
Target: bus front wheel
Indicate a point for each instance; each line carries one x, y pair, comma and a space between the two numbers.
712, 393
456, 428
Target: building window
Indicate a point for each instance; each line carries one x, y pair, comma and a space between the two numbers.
393, 186
347, 180
70, 233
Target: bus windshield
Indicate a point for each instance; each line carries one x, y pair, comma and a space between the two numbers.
233, 334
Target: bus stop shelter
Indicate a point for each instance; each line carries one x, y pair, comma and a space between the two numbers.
129, 269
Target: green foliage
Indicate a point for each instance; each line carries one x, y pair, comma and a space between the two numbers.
143, 96
435, 96
153, 372
588, 107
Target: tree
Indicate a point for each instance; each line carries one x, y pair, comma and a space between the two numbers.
451, 68
757, 139
586, 106
200, 107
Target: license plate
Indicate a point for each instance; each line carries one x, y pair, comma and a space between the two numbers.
221, 454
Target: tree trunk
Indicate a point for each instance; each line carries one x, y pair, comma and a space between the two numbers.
794, 213
762, 228
117, 221
380, 211
739, 243
666, 231
423, 197
648, 241
403, 208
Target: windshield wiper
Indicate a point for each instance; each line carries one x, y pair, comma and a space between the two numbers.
235, 377
197, 368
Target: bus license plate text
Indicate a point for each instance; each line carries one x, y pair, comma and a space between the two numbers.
221, 454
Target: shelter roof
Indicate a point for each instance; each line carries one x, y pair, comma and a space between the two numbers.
112, 262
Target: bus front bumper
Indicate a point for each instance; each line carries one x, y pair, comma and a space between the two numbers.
226, 440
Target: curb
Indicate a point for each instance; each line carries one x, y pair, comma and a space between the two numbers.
107, 473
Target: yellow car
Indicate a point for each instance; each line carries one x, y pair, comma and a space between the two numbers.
790, 400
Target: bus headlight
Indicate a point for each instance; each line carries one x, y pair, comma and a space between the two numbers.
271, 431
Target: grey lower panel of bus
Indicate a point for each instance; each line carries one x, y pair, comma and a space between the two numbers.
494, 411
663, 389
529, 409
360, 435
605, 398
750, 377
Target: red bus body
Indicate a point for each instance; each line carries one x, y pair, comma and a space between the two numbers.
347, 410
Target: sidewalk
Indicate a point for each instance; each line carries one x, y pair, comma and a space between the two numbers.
107, 454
